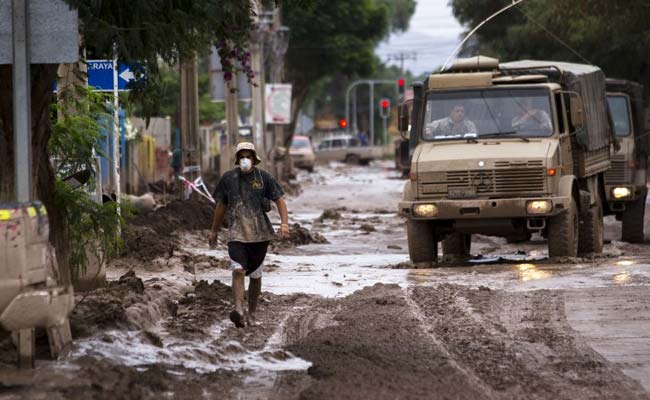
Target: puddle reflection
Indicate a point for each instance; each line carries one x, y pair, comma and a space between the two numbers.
625, 263
529, 272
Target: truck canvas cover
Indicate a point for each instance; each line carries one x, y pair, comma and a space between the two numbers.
587, 80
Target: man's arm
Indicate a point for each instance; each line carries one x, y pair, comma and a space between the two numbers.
471, 127
217, 220
284, 217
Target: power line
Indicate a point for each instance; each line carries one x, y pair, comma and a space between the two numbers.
575, 52
401, 57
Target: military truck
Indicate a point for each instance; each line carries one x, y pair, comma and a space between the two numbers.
507, 150
625, 181
30, 294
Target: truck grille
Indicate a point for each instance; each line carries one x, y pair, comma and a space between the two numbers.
520, 181
618, 172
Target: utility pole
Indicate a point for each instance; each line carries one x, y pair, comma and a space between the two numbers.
190, 118
257, 64
22, 102
280, 43
401, 57
232, 128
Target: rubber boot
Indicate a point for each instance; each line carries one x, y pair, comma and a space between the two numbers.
237, 315
254, 289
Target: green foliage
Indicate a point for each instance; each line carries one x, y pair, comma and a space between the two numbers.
400, 12
609, 33
92, 227
147, 31
333, 41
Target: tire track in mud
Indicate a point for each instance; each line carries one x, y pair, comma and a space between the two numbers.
520, 344
376, 348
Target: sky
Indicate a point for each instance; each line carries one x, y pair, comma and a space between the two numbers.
433, 34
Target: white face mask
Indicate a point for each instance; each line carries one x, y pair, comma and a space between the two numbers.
245, 164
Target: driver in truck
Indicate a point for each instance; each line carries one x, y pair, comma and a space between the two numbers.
454, 124
531, 118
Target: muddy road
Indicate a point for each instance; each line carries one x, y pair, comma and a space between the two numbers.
345, 316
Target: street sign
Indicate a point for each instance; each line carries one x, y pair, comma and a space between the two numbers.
100, 75
278, 103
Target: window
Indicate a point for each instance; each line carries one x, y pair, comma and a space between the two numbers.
619, 109
338, 143
300, 143
524, 112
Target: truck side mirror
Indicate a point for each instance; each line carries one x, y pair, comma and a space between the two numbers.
403, 121
577, 111
405, 157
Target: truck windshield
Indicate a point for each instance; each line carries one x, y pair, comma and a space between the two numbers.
488, 112
619, 109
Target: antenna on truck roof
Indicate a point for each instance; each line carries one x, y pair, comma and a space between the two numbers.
514, 4
485, 21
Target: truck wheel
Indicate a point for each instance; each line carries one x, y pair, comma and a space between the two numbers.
633, 218
352, 159
457, 244
590, 237
563, 233
423, 246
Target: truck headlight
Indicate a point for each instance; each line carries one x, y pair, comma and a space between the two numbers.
538, 206
425, 210
621, 192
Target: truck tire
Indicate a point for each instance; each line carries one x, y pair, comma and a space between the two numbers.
352, 159
590, 237
563, 232
421, 236
457, 245
633, 218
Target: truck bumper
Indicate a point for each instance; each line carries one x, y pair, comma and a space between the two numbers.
45, 308
484, 208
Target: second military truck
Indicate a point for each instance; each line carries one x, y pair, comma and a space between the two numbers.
625, 181
507, 150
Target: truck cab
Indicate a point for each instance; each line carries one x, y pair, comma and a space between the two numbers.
507, 150
625, 182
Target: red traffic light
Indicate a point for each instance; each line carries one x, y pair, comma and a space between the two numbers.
385, 103
401, 82
343, 123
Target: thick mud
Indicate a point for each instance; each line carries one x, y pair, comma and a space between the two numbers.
344, 315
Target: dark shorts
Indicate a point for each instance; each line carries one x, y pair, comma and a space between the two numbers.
249, 255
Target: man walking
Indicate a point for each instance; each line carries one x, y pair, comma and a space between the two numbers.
243, 197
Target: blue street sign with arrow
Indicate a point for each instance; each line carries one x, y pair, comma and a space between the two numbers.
100, 75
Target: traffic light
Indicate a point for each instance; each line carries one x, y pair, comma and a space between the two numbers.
384, 108
401, 87
343, 123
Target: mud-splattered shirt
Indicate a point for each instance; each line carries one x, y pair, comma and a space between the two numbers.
243, 195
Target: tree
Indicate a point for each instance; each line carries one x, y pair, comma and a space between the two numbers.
337, 37
139, 30
607, 33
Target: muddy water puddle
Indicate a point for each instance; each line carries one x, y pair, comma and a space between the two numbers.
215, 352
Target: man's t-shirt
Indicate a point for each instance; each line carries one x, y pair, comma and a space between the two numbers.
243, 195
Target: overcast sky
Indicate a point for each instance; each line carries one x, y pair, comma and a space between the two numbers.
433, 34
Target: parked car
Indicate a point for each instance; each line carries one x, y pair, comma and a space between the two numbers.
302, 153
346, 148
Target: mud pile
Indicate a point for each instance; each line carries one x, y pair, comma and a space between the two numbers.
199, 309
331, 213
298, 236
106, 307
150, 235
